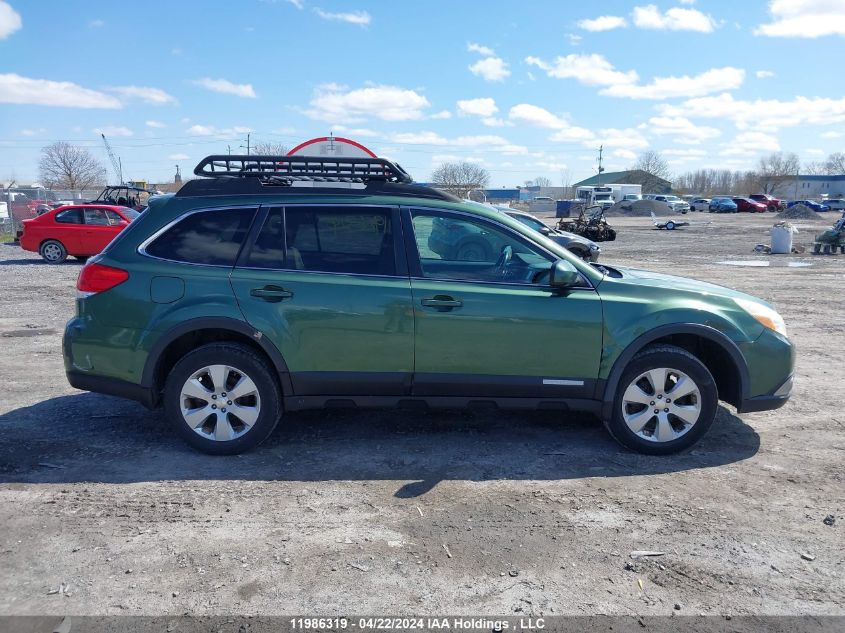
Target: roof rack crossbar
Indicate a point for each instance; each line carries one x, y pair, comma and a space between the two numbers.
292, 168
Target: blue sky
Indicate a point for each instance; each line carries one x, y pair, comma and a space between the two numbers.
526, 89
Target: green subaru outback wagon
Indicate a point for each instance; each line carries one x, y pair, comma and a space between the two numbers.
274, 284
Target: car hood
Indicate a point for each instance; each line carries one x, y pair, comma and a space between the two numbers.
652, 279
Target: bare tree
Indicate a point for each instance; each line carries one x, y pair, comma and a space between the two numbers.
542, 181
460, 178
835, 163
815, 168
70, 167
269, 148
656, 168
776, 169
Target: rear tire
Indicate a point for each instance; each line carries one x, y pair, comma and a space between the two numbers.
53, 252
209, 421
664, 432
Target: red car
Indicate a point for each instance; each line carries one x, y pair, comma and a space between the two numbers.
772, 203
748, 205
79, 230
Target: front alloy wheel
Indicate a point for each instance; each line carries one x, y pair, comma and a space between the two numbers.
666, 400
661, 404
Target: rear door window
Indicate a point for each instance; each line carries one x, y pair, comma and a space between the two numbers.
351, 240
69, 216
206, 237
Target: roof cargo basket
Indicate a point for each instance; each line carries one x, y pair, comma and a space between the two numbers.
285, 170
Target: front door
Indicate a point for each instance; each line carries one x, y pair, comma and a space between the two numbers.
325, 283
487, 322
100, 229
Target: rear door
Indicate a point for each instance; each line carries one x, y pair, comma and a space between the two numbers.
67, 227
329, 285
487, 324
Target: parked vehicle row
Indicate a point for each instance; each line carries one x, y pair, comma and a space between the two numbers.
675, 204
758, 203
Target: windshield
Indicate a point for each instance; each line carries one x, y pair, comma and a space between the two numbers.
673, 199
528, 221
602, 196
130, 214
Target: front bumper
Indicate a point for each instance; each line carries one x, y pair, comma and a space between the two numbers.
769, 402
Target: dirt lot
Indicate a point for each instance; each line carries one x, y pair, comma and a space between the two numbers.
450, 512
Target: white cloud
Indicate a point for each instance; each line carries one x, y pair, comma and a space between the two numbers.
483, 107
113, 130
624, 153
682, 130
832, 134
96, 24
227, 87
764, 74
481, 142
356, 131
337, 104
540, 117
814, 151
472, 47
603, 23
761, 113
804, 19
674, 19
751, 142
23, 90
685, 153
178, 157
491, 69
33, 132
156, 96
713, 80
299, 4
492, 121
10, 20
574, 38
436, 159
359, 18
443, 114
591, 70
627, 138
537, 116
155, 124
211, 130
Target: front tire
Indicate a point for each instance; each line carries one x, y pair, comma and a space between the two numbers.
223, 398
665, 402
53, 252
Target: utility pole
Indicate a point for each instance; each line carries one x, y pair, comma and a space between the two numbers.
247, 143
229, 147
601, 169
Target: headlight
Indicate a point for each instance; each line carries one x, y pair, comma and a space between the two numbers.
764, 315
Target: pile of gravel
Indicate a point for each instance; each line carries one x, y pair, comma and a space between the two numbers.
798, 212
639, 208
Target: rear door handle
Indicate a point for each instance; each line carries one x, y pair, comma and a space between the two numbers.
271, 293
442, 302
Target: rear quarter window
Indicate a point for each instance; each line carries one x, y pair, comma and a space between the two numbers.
205, 237
69, 216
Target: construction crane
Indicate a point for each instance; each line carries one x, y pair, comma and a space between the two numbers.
115, 162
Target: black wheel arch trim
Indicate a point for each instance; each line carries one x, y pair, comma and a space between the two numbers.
215, 323
607, 394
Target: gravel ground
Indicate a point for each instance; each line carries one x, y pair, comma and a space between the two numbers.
104, 511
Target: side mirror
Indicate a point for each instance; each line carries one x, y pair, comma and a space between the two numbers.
546, 230
563, 275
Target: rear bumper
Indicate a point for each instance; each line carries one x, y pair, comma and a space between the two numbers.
111, 387
769, 402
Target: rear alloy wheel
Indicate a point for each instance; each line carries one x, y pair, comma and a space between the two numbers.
53, 252
222, 398
665, 402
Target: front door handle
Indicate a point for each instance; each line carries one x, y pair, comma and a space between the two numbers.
442, 302
271, 293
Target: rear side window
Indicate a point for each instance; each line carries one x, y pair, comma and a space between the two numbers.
355, 240
96, 217
206, 237
69, 216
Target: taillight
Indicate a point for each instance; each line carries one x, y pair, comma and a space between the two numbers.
94, 278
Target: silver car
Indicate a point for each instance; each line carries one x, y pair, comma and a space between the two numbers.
582, 247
